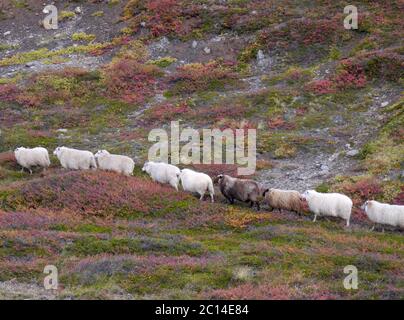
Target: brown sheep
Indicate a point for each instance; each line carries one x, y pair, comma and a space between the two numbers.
285, 199
241, 189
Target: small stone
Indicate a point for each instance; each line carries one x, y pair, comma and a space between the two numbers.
78, 10
143, 24
206, 50
385, 103
260, 55
352, 153
194, 44
62, 130
7, 33
324, 168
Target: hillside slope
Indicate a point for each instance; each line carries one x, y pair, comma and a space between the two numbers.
326, 102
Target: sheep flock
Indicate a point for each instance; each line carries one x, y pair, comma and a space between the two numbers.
244, 190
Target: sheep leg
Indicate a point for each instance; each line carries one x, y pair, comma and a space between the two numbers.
22, 170
30, 171
373, 228
347, 223
258, 206
212, 197
201, 198
315, 218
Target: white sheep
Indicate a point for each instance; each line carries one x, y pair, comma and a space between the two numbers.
28, 158
75, 159
114, 162
384, 213
197, 182
328, 204
163, 173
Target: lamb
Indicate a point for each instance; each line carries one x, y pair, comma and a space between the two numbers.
163, 173
28, 158
328, 204
197, 182
384, 213
75, 159
114, 162
240, 189
285, 199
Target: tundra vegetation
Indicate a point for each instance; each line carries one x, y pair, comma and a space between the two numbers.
315, 88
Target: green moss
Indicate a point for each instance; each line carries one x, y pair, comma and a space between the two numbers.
386, 152
43, 53
92, 228
366, 44
126, 31
20, 4
324, 187
163, 62
20, 136
66, 15
5, 47
285, 151
82, 36
335, 53
287, 142
92, 246
250, 52
98, 14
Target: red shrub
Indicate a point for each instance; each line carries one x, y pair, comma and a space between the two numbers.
382, 64
7, 157
130, 81
280, 123
96, 193
350, 76
8, 92
164, 17
399, 199
167, 112
321, 86
30, 100
363, 190
252, 292
199, 77
217, 113
302, 32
